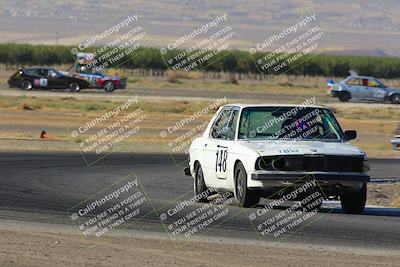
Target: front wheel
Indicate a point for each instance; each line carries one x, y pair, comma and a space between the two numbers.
74, 87
199, 187
26, 85
395, 99
109, 86
353, 200
244, 197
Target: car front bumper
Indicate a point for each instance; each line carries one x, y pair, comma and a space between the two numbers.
265, 179
323, 176
396, 143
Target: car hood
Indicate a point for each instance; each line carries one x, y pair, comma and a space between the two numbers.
279, 147
393, 90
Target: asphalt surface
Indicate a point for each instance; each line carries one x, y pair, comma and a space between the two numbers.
45, 186
194, 95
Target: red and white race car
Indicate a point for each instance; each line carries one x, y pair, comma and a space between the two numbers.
83, 69
100, 80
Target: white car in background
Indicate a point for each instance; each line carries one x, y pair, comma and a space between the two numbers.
396, 142
255, 151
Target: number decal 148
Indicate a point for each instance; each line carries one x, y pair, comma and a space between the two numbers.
220, 163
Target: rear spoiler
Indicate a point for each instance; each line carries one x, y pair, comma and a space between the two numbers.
353, 73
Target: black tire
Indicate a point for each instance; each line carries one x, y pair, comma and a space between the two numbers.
26, 85
109, 86
244, 197
74, 87
353, 201
395, 99
344, 97
199, 186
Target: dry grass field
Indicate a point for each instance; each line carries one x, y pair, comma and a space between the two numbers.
24, 117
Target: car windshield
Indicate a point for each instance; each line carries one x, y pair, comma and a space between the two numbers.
380, 83
289, 123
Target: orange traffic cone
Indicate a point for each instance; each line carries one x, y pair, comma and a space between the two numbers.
43, 134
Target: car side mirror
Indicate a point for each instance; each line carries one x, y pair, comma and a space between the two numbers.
350, 135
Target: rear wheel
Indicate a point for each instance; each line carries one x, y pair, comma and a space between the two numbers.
26, 85
74, 87
395, 99
244, 197
200, 189
344, 96
109, 86
353, 200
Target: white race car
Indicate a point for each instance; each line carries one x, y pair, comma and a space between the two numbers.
396, 142
256, 151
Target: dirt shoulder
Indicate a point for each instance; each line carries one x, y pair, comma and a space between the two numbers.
386, 195
37, 244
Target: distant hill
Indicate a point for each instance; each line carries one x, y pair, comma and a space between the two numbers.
355, 52
359, 26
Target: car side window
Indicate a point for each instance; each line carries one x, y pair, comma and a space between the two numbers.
230, 129
44, 72
32, 72
365, 82
219, 126
52, 74
353, 81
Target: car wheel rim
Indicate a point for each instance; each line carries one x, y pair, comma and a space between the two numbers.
199, 177
75, 87
26, 85
239, 187
109, 86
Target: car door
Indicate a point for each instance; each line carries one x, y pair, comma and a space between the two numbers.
56, 80
365, 91
210, 147
43, 81
220, 143
354, 87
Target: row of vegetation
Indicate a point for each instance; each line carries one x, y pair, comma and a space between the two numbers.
230, 61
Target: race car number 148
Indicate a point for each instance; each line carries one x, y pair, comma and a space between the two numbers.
220, 163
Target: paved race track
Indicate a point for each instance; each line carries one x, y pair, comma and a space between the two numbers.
43, 186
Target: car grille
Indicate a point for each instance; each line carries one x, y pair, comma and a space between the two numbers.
310, 163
